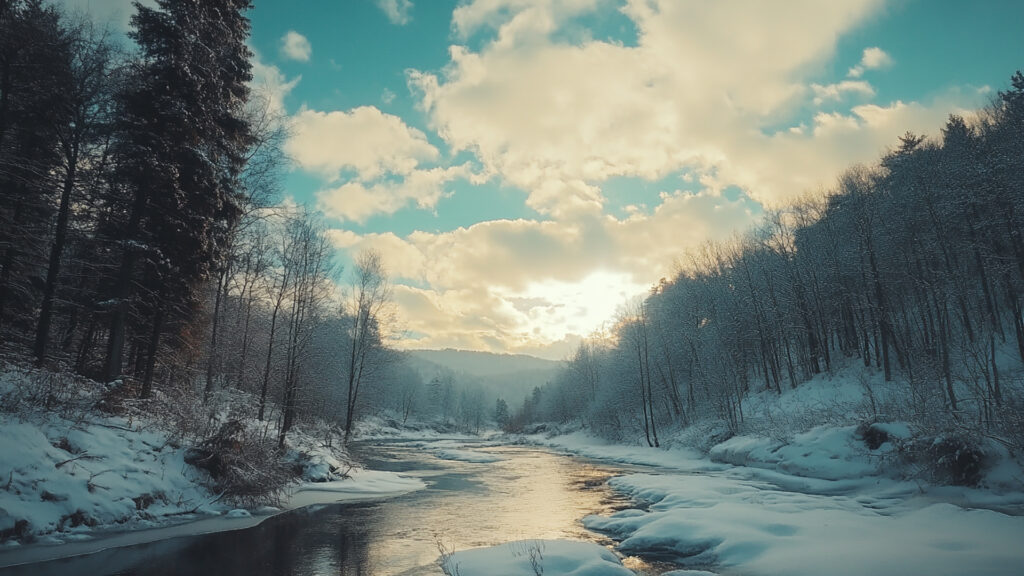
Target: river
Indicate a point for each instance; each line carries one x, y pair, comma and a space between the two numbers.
530, 493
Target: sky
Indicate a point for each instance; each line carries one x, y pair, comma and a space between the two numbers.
526, 167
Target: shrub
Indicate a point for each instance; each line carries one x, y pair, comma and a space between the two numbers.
246, 468
950, 458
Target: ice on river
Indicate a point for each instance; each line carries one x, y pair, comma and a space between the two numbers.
360, 485
548, 557
471, 456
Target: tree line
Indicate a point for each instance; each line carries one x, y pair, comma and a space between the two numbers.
913, 267
142, 235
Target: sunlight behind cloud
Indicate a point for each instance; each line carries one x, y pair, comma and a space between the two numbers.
551, 310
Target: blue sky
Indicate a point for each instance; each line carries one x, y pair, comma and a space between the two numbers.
526, 166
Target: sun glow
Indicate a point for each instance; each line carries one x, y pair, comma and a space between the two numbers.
551, 310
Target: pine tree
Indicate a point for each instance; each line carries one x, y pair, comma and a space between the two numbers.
183, 138
34, 69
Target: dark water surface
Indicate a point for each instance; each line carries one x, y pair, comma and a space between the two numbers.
530, 493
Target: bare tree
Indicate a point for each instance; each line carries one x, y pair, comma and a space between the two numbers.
366, 310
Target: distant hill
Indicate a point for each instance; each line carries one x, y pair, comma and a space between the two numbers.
508, 376
485, 364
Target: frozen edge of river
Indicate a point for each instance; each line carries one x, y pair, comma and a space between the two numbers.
362, 486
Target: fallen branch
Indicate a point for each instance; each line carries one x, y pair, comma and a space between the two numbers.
196, 509
83, 455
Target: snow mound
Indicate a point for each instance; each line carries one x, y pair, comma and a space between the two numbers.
548, 557
468, 456
822, 452
62, 476
360, 485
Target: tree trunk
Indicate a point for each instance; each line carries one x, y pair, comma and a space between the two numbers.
56, 250
154, 348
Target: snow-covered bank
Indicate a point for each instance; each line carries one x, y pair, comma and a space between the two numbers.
554, 557
91, 480
812, 487
377, 427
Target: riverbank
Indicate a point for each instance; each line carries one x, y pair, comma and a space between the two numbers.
75, 479
834, 498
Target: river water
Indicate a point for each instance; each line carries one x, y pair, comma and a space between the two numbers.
529, 494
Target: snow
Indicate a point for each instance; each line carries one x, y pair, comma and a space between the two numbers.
361, 485
822, 452
548, 557
90, 481
380, 428
751, 528
62, 475
583, 444
801, 493
467, 456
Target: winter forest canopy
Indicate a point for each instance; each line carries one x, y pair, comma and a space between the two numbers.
148, 244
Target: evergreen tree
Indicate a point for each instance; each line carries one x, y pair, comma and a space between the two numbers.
34, 71
182, 143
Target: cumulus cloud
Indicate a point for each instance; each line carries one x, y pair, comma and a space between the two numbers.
398, 11
363, 140
356, 201
836, 92
702, 90
707, 92
873, 58
270, 84
525, 284
557, 118
295, 46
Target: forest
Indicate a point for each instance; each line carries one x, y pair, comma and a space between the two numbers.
913, 267
144, 241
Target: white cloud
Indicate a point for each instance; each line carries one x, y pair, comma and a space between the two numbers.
701, 94
296, 47
836, 92
702, 90
557, 119
355, 201
269, 83
525, 284
872, 59
398, 11
364, 140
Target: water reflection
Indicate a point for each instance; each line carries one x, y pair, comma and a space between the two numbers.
528, 494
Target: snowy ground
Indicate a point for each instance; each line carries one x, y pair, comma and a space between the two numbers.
814, 501
747, 527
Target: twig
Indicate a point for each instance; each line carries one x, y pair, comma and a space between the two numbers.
83, 455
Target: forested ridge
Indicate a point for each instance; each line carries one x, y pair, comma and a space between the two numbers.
913, 267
